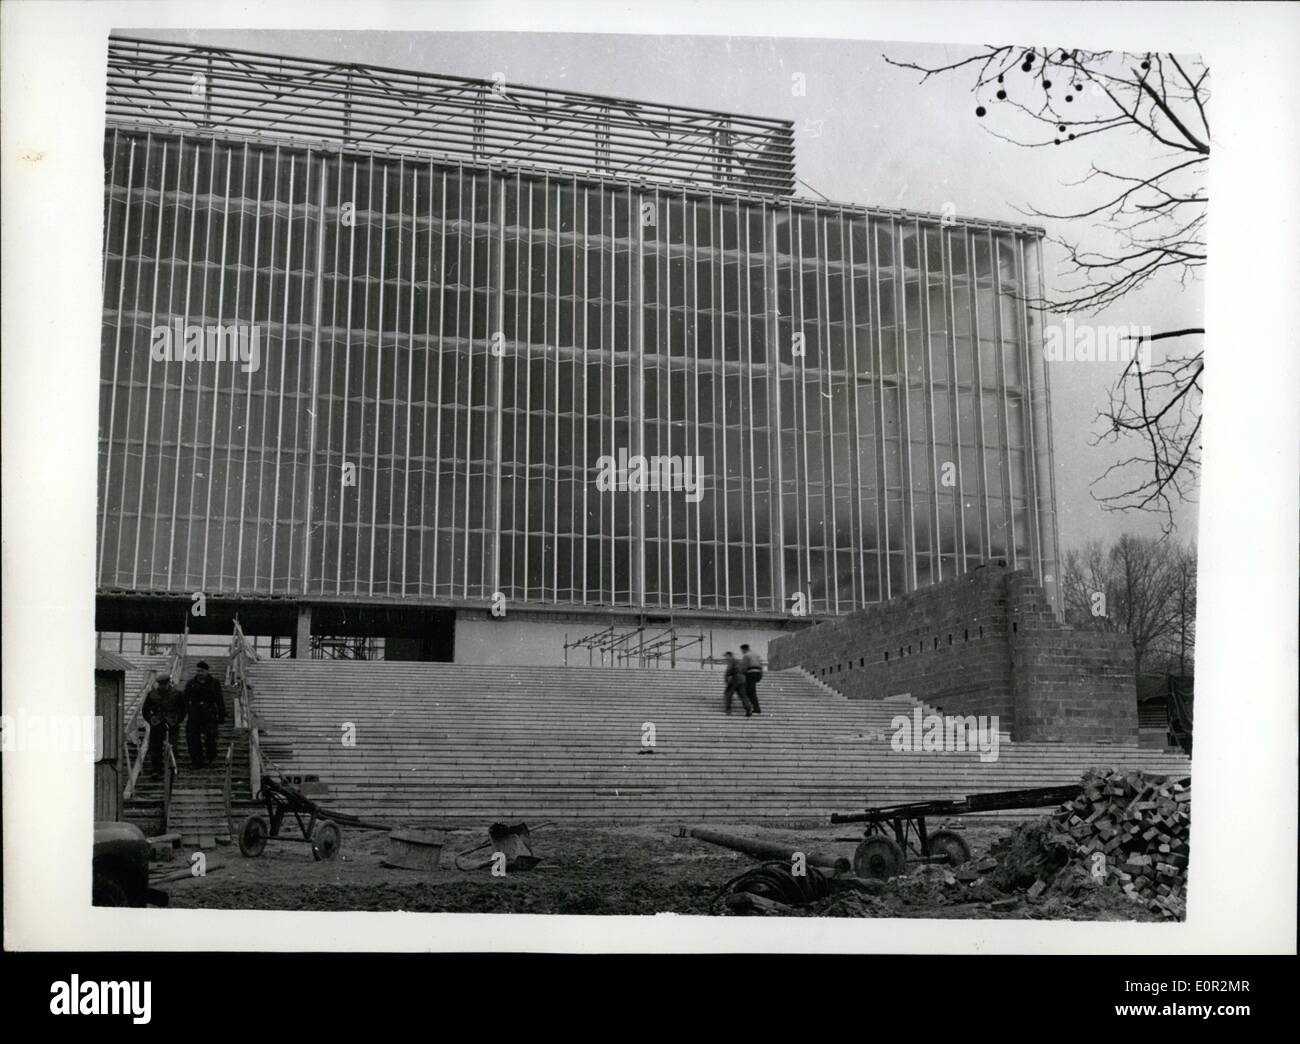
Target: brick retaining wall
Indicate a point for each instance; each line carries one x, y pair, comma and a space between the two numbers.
982, 643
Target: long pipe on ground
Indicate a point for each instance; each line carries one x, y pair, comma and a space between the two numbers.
765, 849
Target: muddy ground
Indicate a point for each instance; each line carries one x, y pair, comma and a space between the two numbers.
615, 869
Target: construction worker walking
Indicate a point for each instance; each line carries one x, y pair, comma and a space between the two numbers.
207, 709
734, 680
752, 668
164, 709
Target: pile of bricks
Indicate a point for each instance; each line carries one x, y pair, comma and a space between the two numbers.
1132, 829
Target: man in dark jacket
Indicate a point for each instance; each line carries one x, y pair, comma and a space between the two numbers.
752, 669
164, 710
735, 683
207, 706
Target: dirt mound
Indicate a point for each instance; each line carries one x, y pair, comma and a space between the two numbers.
1032, 852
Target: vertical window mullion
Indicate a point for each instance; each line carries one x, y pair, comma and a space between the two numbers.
180, 387
228, 443
410, 369
771, 294
882, 486
528, 399
1009, 506
117, 355
694, 545
802, 404
851, 363
927, 328
469, 388
905, 413
248, 391
284, 352
379, 374
665, 420
750, 491
316, 406
498, 337
1047, 437
986, 536
555, 408
581, 471
427, 350
959, 517
826, 388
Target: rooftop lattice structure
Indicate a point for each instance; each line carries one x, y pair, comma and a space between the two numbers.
220, 89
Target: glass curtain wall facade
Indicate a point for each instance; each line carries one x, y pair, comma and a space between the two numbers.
446, 351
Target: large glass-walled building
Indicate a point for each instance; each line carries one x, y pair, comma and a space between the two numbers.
350, 372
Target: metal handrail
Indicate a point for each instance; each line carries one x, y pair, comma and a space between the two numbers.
138, 704
131, 735
169, 775
242, 654
135, 720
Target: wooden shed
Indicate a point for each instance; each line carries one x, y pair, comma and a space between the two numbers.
110, 770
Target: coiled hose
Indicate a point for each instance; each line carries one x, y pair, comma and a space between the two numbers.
778, 882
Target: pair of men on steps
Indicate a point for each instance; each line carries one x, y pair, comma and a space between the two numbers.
202, 703
741, 679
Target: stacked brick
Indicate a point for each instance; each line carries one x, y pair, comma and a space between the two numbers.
1133, 829
1069, 685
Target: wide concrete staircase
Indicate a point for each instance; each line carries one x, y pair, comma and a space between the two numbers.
443, 743
197, 811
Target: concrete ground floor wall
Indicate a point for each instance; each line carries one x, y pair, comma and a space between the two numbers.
466, 634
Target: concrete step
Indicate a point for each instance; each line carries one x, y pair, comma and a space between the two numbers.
446, 742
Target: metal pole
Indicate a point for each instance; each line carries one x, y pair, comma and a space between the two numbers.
764, 849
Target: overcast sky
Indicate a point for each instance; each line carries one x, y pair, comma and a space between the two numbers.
866, 132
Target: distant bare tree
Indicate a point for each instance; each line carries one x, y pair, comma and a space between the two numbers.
1139, 586
1154, 213
1176, 652
1087, 586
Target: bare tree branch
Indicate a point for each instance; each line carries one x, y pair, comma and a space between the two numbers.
1153, 212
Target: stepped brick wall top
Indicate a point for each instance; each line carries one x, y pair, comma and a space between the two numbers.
982, 643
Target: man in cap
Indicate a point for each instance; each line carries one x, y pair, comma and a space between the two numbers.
207, 705
164, 710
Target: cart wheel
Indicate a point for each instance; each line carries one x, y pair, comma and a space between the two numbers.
951, 844
253, 835
326, 840
878, 857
